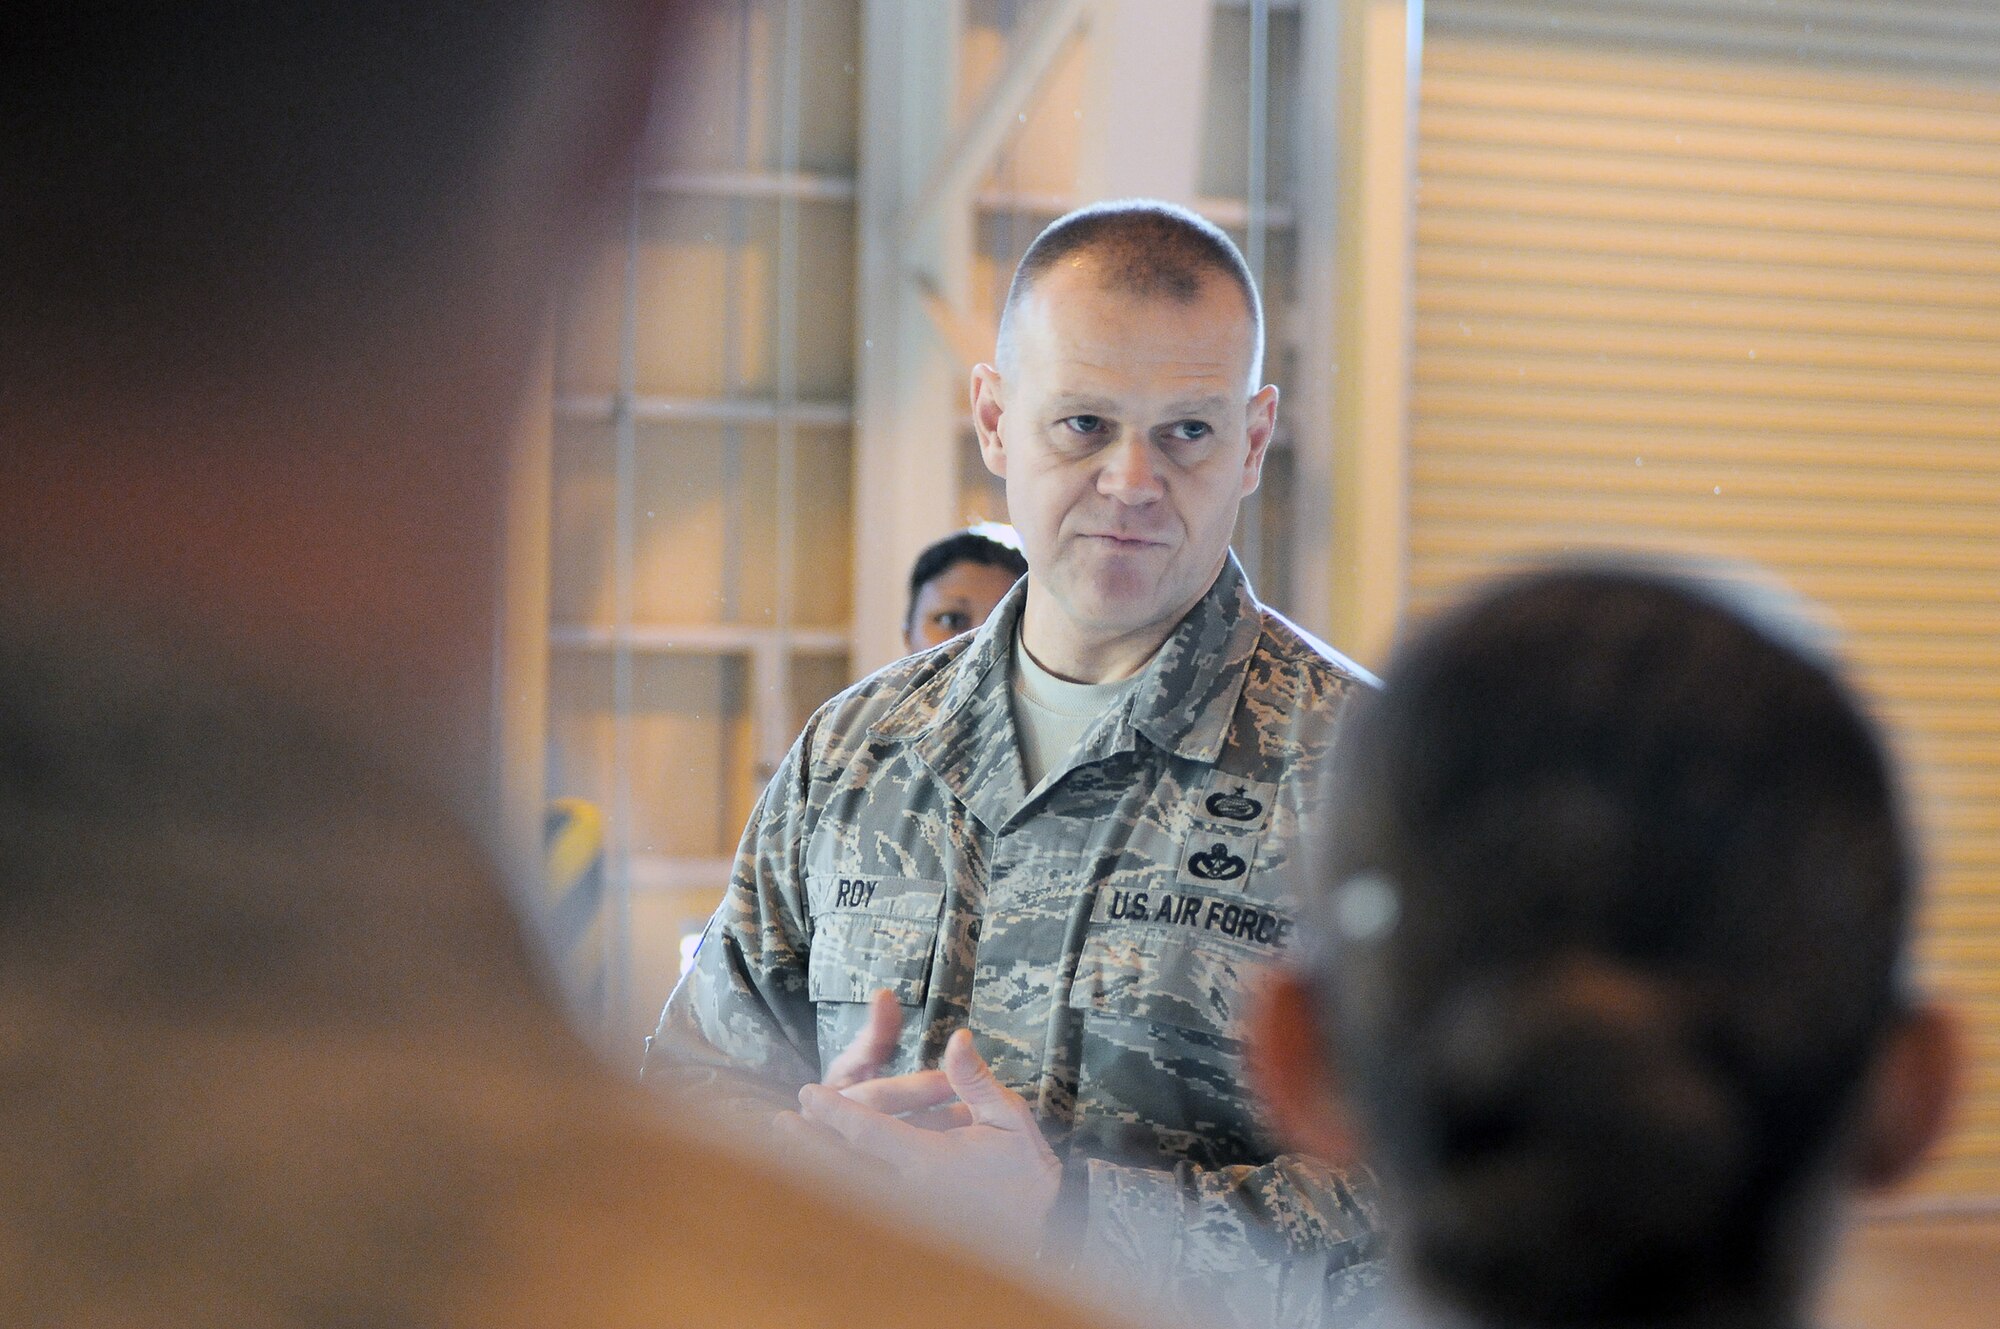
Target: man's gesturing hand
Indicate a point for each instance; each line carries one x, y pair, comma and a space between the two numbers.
872, 1047
999, 1155
857, 1064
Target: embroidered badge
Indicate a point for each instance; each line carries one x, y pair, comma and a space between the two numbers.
1236, 805
1216, 864
1231, 804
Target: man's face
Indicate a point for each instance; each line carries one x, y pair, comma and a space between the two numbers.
956, 600
1127, 435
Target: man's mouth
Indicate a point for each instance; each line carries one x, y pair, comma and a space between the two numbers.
1121, 541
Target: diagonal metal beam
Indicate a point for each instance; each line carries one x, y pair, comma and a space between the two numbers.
969, 339
956, 172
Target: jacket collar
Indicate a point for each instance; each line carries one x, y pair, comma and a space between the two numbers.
1189, 690
961, 720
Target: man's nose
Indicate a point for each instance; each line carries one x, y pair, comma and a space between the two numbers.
1129, 474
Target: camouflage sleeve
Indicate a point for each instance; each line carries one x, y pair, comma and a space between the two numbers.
1290, 1243
739, 1030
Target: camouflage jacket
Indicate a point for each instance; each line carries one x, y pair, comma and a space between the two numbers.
1098, 938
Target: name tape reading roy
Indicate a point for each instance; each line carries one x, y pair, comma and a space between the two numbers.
853, 893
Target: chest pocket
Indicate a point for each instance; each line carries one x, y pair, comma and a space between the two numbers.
1166, 976
870, 933
1160, 1076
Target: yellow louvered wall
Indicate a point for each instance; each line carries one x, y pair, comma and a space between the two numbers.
1741, 296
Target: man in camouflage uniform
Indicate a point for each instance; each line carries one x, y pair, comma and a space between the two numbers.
1092, 907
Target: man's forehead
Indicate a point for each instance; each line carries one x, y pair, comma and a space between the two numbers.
1077, 335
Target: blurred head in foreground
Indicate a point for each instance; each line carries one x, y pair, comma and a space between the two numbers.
272, 278
1607, 984
957, 580
277, 1053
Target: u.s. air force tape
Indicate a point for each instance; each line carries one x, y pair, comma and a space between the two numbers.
1232, 916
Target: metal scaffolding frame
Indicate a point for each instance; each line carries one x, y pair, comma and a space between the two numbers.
951, 178
768, 651
625, 427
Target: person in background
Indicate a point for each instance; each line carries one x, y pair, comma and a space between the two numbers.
277, 1051
1610, 981
956, 581
1019, 886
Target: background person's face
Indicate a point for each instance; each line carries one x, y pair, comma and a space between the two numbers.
1127, 437
956, 600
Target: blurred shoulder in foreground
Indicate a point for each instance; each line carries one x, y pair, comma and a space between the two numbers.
277, 1054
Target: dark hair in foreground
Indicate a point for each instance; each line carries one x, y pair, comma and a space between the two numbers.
1620, 886
968, 546
1146, 248
225, 162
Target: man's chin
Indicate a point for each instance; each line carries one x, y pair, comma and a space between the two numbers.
1113, 607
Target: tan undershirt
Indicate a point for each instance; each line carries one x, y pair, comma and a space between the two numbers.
1051, 713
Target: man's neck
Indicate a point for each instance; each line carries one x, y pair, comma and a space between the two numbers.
1080, 653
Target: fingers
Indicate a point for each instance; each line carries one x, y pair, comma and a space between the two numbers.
806, 1143
863, 1129
952, 1116
963, 1092
899, 1094
872, 1047
990, 1102
795, 1129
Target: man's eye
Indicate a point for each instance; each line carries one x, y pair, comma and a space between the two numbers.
1085, 424
1191, 430
953, 621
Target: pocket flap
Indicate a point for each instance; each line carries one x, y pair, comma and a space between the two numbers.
870, 933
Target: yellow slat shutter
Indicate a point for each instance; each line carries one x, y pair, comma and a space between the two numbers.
1678, 287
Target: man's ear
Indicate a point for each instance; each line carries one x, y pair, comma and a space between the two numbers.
1261, 425
1909, 1096
1289, 1071
986, 412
